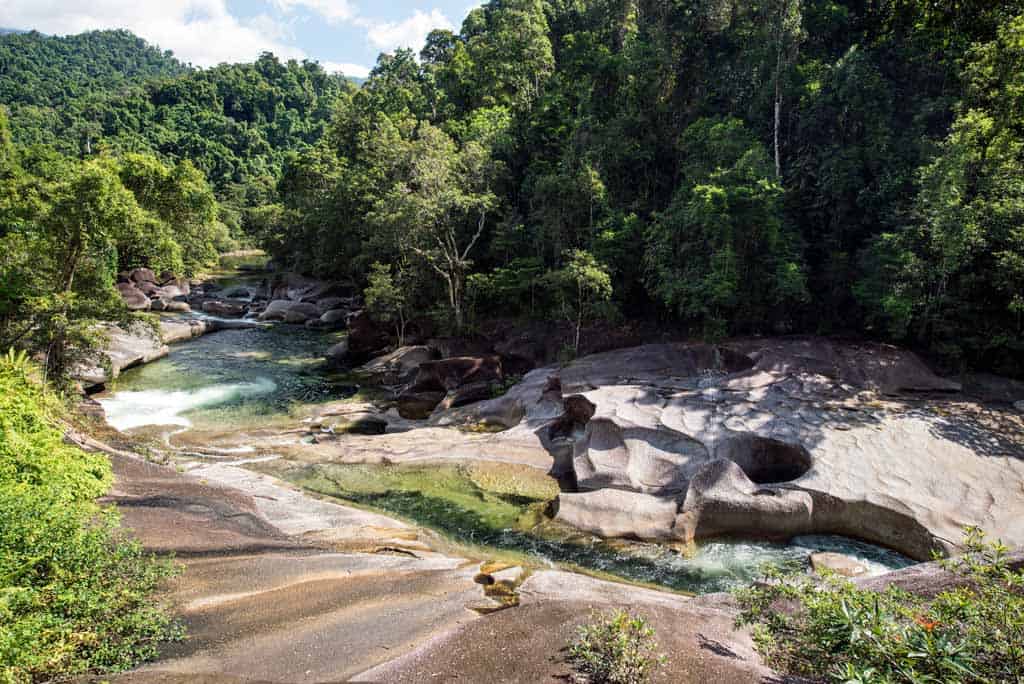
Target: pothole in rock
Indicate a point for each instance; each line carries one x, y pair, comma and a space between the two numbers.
764, 460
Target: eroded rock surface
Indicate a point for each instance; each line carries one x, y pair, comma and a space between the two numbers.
757, 438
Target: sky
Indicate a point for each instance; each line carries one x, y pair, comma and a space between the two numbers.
343, 35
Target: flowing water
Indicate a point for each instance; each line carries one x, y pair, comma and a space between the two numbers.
236, 379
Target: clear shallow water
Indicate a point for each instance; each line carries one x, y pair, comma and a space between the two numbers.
472, 505
225, 379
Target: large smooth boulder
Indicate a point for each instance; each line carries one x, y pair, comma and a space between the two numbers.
880, 367
337, 354
225, 309
133, 297
177, 307
619, 513
613, 452
175, 287
123, 349
722, 500
449, 374
149, 289
300, 312
142, 275
395, 368
330, 303
289, 311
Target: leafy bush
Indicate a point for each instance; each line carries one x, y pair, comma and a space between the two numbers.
839, 632
74, 593
617, 648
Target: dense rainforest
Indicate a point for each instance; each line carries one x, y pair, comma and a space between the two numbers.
716, 167
763, 166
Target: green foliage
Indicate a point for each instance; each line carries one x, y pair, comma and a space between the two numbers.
74, 593
973, 632
616, 648
583, 285
953, 277
109, 90
387, 298
822, 166
720, 255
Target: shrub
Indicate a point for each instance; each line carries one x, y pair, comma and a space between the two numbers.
617, 648
839, 632
74, 593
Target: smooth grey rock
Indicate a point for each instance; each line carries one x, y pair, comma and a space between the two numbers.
618, 513
395, 368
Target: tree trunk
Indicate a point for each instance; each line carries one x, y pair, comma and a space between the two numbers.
778, 116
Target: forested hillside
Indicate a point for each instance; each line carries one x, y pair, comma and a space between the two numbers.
761, 166
109, 92
715, 167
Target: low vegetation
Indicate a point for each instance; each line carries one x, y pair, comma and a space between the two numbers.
973, 633
615, 648
75, 594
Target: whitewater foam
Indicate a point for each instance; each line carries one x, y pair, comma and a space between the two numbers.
126, 410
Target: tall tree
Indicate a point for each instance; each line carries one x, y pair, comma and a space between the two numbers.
438, 209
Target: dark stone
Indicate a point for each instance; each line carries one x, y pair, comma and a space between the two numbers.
225, 309
413, 405
467, 394
449, 374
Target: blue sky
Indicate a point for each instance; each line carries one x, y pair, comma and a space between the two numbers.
344, 35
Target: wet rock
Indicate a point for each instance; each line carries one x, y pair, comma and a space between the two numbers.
225, 309
177, 307
289, 311
838, 563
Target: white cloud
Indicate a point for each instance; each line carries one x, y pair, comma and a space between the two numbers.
355, 70
411, 32
202, 32
334, 11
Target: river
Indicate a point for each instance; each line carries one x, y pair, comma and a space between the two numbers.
247, 379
